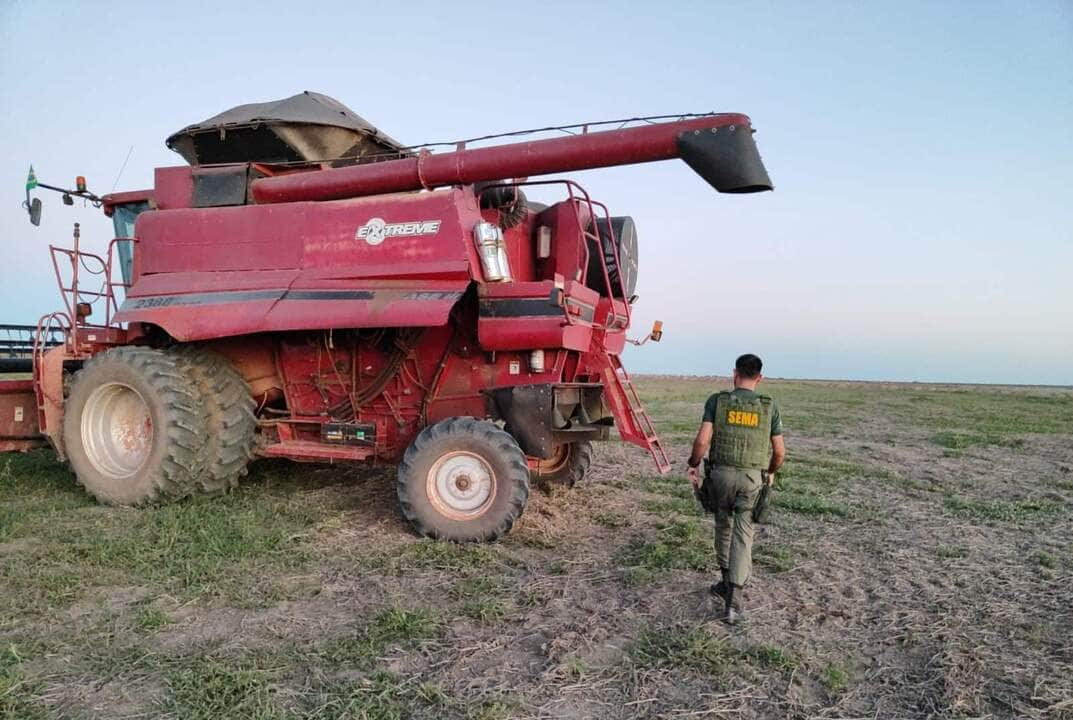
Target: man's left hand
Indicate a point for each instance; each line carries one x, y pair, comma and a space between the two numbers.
694, 477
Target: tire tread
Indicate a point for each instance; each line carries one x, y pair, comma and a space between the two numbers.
185, 458
229, 410
464, 427
577, 466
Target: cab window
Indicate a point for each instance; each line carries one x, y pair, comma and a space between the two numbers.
123, 217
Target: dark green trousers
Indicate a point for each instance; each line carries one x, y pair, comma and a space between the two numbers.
734, 491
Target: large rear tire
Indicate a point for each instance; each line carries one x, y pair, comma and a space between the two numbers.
463, 479
229, 412
134, 427
567, 467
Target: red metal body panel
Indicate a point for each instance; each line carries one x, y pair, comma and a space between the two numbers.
311, 451
302, 266
647, 143
173, 187
569, 255
48, 388
533, 333
204, 316
614, 342
18, 416
520, 316
309, 236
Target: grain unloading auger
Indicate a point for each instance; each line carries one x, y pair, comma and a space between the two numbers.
310, 289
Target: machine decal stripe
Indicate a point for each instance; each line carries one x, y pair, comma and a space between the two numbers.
528, 307
329, 295
158, 301
219, 298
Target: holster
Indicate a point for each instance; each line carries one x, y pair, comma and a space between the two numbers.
704, 493
763, 500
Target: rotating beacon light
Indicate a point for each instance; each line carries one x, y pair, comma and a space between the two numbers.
493, 252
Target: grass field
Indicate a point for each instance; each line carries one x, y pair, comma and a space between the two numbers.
919, 564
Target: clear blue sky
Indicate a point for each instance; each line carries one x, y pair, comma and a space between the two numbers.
922, 223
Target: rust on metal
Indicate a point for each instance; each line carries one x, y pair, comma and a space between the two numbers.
18, 416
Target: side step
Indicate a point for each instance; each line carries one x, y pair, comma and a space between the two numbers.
634, 424
316, 452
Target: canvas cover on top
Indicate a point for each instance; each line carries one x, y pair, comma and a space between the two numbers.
307, 127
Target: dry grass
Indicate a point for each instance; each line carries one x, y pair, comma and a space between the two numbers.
919, 564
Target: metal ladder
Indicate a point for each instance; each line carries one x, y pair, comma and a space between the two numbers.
626, 405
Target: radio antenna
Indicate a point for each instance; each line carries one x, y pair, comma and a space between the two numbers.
122, 168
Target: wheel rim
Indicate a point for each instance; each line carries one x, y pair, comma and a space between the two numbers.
461, 485
557, 462
117, 430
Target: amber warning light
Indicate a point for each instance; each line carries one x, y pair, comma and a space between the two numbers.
655, 336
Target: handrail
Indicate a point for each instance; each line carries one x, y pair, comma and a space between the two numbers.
618, 264
73, 295
582, 196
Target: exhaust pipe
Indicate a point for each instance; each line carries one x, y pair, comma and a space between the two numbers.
719, 148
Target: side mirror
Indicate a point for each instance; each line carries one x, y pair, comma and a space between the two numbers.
35, 211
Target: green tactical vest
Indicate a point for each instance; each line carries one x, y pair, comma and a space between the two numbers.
742, 431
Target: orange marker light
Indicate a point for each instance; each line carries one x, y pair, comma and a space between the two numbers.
80, 184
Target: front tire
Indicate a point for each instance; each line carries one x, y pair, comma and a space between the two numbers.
463, 479
134, 427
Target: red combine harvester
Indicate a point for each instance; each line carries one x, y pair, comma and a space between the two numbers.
309, 289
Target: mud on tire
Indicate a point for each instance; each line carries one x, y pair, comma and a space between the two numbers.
229, 414
134, 427
568, 467
463, 479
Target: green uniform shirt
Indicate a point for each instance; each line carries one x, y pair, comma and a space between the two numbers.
776, 419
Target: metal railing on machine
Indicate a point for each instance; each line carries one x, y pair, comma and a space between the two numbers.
79, 302
578, 197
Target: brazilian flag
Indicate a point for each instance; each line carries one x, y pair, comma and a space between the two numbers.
31, 179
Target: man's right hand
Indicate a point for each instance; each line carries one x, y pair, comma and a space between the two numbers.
694, 477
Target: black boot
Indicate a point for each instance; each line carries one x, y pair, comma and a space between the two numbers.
719, 589
732, 612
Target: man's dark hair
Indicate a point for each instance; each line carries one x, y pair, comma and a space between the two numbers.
748, 366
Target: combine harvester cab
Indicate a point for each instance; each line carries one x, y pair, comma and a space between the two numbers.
310, 289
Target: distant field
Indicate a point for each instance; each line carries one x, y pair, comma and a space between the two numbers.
919, 564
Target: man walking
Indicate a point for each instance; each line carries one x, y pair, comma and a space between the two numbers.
741, 435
